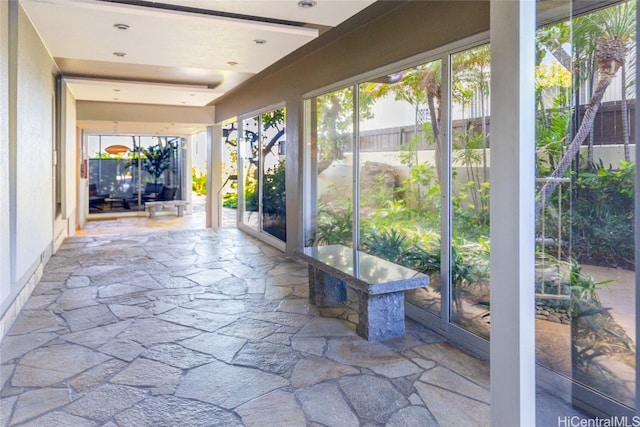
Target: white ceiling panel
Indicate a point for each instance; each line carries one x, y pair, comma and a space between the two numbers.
325, 12
140, 93
174, 52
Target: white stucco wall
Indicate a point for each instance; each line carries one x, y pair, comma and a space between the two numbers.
27, 100
5, 276
35, 98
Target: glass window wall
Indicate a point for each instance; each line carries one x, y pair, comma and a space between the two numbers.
399, 173
125, 172
585, 250
330, 166
262, 165
417, 144
470, 173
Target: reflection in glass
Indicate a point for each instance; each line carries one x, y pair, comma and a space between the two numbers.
273, 174
126, 171
262, 160
229, 190
400, 173
329, 217
585, 267
250, 164
470, 115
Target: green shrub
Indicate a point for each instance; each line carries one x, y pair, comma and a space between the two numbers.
198, 182
602, 215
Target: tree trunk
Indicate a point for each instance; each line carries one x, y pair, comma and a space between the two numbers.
436, 131
604, 80
625, 115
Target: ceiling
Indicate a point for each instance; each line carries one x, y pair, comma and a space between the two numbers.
174, 52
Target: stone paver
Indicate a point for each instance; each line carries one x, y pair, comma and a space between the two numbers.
202, 328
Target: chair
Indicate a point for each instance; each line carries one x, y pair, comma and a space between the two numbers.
96, 200
151, 192
158, 193
167, 193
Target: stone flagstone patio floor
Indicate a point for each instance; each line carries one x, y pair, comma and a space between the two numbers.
204, 328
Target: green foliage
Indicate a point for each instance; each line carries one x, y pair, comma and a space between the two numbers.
251, 195
274, 201
391, 212
335, 226
602, 214
156, 159
584, 287
230, 200
422, 189
552, 130
469, 261
423, 259
378, 194
198, 182
387, 243
471, 209
425, 190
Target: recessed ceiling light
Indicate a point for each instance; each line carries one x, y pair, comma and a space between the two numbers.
305, 4
232, 63
121, 26
259, 41
119, 54
192, 94
116, 90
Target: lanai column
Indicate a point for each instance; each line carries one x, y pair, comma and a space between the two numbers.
512, 213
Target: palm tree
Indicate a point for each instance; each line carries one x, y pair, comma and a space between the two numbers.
615, 27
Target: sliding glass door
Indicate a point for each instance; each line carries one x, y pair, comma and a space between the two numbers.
586, 174
262, 162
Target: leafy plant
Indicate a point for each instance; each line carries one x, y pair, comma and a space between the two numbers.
198, 182
335, 226
584, 287
387, 243
274, 201
156, 159
230, 200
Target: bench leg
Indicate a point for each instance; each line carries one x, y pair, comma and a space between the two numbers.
380, 316
325, 289
180, 210
152, 211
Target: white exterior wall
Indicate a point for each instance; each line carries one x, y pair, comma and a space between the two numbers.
26, 110
5, 230
35, 98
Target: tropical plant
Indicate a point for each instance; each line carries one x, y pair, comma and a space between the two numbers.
156, 159
198, 182
387, 243
612, 29
470, 82
335, 226
274, 200
602, 212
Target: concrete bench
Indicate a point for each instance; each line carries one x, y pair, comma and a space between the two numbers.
152, 207
379, 284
